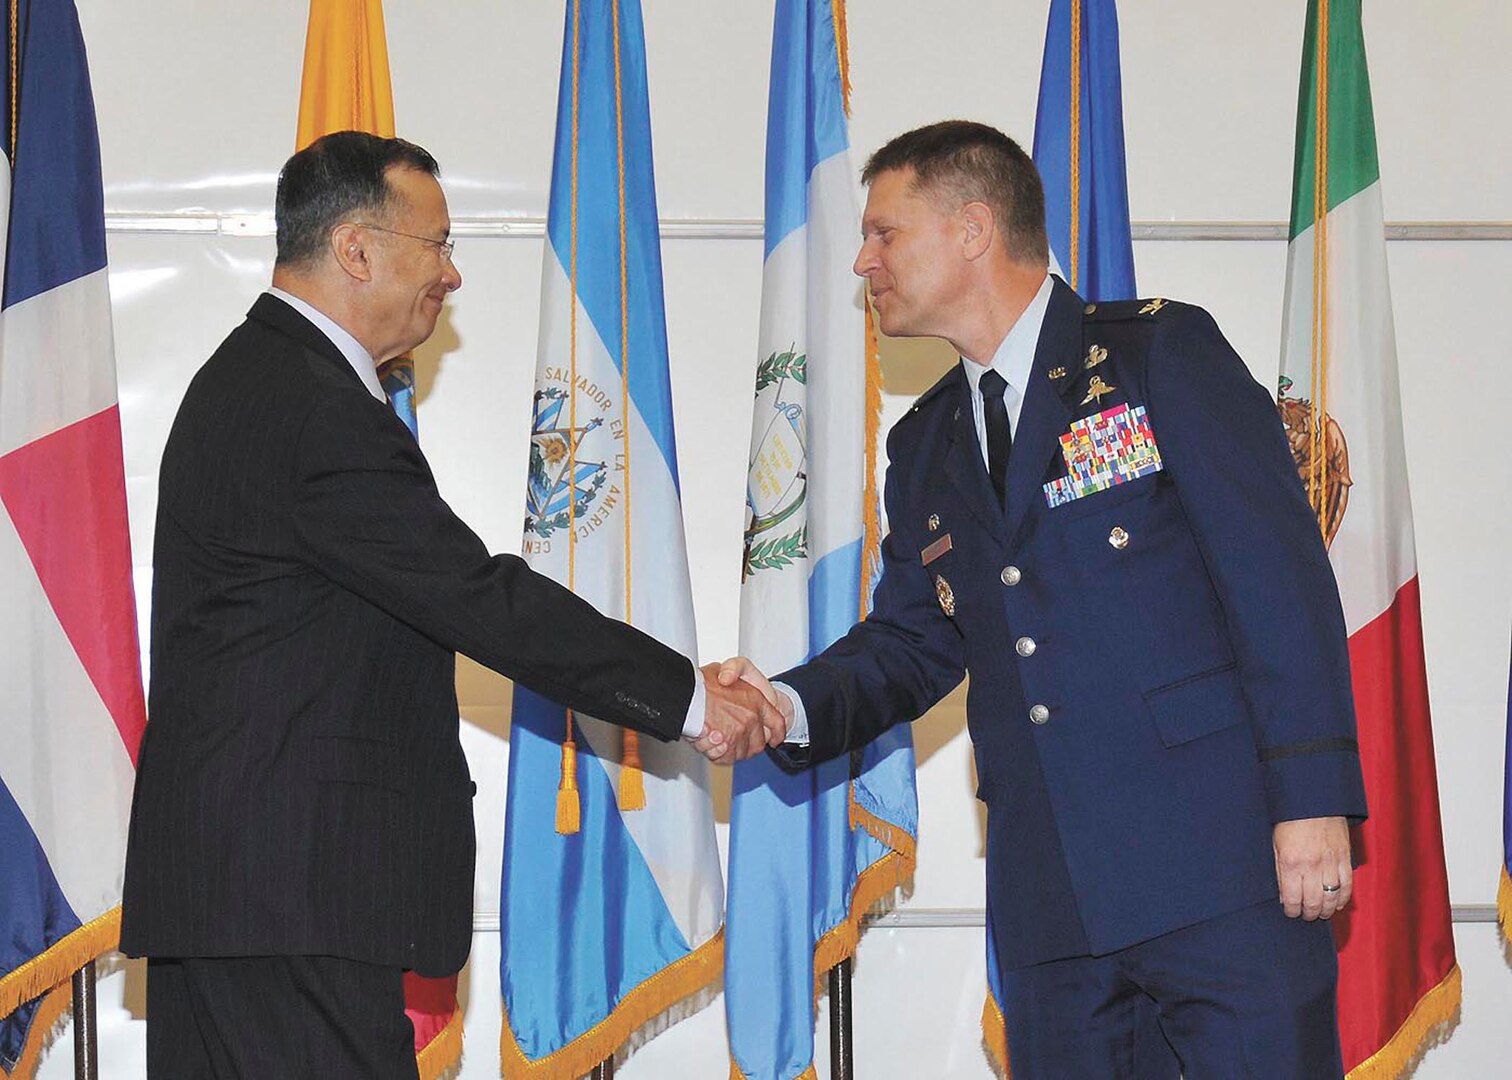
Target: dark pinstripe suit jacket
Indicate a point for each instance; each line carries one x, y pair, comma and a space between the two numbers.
301, 786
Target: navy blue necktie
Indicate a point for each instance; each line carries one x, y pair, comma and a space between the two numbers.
999, 439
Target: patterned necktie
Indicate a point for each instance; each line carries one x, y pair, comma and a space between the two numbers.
398, 381
999, 439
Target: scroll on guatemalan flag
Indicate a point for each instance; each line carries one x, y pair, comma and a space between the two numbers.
1340, 400
70, 670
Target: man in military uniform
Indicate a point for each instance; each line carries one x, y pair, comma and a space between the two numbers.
1096, 515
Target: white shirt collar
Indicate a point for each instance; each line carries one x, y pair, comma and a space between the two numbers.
355, 354
1014, 358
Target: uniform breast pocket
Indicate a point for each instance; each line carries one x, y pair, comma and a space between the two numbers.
1099, 501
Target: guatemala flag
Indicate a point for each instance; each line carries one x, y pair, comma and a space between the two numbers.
1079, 149
809, 854
612, 897
70, 670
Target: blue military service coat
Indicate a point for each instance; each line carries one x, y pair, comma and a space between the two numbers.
1151, 627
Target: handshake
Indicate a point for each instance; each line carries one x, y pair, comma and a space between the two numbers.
743, 713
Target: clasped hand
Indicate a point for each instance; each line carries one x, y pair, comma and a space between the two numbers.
743, 714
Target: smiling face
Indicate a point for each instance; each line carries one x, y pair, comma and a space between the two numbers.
412, 274
912, 257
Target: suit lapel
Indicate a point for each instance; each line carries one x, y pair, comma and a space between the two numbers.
964, 465
1044, 416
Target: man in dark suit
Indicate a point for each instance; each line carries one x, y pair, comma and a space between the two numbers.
302, 829
1097, 517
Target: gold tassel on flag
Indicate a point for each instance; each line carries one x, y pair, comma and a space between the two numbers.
569, 817
632, 780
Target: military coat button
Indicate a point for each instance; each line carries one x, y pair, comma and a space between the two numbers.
1039, 714
1011, 575
1118, 537
1089, 309
1024, 646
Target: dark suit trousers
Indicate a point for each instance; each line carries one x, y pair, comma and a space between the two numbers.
292, 1017
1248, 994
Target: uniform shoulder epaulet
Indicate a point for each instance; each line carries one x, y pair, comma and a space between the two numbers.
1119, 310
948, 379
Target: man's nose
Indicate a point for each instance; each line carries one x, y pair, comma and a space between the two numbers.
865, 262
452, 279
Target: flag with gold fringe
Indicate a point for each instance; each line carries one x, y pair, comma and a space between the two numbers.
1340, 400
1079, 151
809, 854
70, 669
1504, 891
612, 898
345, 87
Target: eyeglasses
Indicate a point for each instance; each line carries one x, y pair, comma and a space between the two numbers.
445, 246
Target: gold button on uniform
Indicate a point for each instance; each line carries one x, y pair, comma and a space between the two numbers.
1038, 714
1089, 309
1024, 646
1118, 538
1011, 575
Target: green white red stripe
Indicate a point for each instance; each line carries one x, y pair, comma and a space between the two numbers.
1340, 396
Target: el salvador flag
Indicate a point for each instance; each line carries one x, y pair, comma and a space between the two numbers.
70, 672
607, 927
809, 854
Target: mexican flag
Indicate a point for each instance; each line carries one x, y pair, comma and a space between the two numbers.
1341, 403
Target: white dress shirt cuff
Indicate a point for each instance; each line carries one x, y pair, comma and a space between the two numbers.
798, 730
693, 726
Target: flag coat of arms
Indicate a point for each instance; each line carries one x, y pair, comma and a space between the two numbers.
1341, 404
1079, 151
70, 670
809, 854
345, 87
612, 897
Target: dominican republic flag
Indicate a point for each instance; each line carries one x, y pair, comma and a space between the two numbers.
1079, 151
71, 706
345, 87
612, 898
1341, 404
809, 854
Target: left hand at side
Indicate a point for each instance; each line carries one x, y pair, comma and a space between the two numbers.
1312, 856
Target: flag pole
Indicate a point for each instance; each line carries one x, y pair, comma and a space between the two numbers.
842, 1060
604, 1070
86, 1056
842, 1033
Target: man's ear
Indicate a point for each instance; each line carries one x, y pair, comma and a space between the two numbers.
349, 248
977, 227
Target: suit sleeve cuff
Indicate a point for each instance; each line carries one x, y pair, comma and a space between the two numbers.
1311, 785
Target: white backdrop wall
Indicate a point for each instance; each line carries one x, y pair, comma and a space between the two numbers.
197, 109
